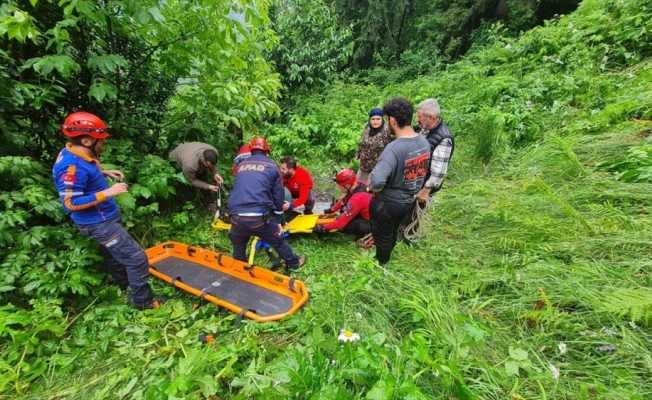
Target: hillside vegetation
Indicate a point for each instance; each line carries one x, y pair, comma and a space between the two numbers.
532, 280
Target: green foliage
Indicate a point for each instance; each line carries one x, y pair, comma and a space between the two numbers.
493, 96
312, 48
636, 166
408, 37
530, 245
490, 140
336, 125
384, 369
29, 339
40, 258
159, 73
636, 302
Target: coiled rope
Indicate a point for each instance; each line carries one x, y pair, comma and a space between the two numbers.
412, 232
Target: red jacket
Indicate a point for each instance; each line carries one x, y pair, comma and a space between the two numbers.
299, 186
357, 204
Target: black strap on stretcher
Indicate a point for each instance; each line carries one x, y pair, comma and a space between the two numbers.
275, 259
210, 338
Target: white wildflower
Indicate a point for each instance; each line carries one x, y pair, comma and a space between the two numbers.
554, 370
348, 336
607, 331
562, 347
358, 315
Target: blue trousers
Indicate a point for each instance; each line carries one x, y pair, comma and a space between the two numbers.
386, 217
243, 228
124, 259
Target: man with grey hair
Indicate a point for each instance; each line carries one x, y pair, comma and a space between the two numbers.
442, 145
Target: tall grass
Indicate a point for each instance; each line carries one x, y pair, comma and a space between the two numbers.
536, 260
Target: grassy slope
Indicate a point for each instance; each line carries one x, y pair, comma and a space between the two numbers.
533, 247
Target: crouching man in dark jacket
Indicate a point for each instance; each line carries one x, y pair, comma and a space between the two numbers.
256, 205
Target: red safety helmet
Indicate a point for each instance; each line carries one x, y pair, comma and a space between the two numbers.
345, 177
83, 123
258, 143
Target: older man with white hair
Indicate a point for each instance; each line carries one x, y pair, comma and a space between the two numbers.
442, 145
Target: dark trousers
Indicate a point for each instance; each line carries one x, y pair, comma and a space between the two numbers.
124, 259
308, 205
409, 218
357, 226
209, 197
243, 228
386, 217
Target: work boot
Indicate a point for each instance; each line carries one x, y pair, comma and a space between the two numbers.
152, 304
302, 261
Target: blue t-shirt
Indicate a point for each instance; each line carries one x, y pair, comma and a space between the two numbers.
80, 182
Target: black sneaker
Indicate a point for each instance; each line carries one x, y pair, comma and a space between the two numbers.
153, 304
302, 261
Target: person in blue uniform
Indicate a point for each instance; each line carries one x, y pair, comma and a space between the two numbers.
86, 196
256, 205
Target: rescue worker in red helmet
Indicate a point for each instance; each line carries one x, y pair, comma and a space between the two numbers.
256, 205
243, 153
87, 197
353, 206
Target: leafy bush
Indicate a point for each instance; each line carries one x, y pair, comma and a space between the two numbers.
41, 258
313, 49
29, 339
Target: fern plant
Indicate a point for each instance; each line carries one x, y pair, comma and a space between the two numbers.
634, 302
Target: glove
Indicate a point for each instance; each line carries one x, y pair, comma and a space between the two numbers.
318, 229
327, 211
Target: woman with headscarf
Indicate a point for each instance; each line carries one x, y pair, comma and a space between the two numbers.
375, 137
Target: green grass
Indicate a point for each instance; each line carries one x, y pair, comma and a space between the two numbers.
533, 242
541, 252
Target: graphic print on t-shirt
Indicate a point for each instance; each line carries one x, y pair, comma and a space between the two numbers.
415, 170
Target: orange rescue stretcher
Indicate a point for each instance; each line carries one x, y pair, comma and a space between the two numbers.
260, 294
300, 224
